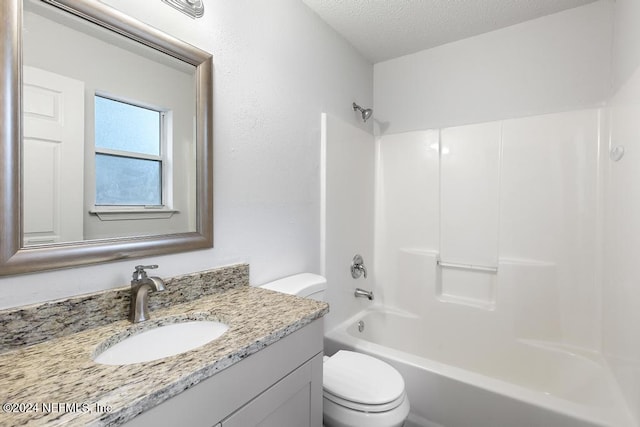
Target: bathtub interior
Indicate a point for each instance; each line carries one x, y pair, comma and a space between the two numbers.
541, 383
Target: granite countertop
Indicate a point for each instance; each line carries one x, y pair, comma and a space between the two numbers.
56, 382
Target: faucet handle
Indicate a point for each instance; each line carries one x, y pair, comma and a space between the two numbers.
140, 273
357, 267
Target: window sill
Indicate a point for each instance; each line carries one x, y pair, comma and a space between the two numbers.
124, 214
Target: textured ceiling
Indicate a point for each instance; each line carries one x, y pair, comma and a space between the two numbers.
385, 29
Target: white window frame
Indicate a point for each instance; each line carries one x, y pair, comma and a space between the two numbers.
130, 212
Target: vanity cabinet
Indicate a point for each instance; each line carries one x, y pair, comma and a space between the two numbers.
278, 386
286, 403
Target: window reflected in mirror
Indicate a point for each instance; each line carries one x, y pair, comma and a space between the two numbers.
129, 154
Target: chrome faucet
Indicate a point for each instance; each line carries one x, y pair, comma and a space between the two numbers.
141, 284
362, 293
357, 267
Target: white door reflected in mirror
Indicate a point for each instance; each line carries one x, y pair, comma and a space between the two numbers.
53, 157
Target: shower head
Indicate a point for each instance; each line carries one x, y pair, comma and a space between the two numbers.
366, 113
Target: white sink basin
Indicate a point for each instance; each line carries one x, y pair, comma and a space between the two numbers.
162, 341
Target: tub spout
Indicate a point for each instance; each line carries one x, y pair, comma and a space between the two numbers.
362, 293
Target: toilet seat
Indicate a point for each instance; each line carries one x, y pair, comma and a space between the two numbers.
361, 407
362, 383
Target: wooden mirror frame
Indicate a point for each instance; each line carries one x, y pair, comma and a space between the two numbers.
16, 259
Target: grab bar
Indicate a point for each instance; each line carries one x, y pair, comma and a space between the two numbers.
468, 266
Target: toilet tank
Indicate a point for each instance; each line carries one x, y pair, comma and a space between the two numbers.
306, 285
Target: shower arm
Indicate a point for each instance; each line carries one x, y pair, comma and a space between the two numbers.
365, 112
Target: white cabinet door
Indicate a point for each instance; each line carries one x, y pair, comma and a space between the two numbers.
287, 403
53, 157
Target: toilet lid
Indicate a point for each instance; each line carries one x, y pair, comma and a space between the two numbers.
359, 378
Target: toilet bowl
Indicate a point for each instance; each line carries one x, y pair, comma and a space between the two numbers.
358, 390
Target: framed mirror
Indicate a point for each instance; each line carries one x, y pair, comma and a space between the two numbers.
105, 138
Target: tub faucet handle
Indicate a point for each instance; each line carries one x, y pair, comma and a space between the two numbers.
357, 267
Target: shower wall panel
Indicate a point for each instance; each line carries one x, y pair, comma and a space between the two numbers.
469, 220
621, 288
407, 208
348, 161
469, 190
519, 195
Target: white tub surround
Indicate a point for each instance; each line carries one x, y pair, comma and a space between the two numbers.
621, 293
508, 208
486, 236
347, 205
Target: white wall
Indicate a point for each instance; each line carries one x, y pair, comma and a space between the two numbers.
555, 63
621, 287
626, 42
276, 68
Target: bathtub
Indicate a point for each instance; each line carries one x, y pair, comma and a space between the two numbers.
457, 382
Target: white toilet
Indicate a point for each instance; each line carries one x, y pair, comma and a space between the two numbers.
359, 390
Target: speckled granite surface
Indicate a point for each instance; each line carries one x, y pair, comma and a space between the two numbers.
36, 323
61, 373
